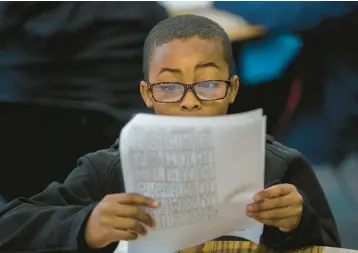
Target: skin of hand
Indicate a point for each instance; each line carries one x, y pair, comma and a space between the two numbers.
279, 206
118, 217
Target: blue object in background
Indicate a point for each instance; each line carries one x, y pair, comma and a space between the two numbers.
287, 16
267, 59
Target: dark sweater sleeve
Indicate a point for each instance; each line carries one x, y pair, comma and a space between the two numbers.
54, 220
317, 225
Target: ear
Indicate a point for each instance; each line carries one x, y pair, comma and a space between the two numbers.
144, 91
234, 88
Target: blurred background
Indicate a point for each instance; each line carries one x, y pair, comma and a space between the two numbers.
70, 71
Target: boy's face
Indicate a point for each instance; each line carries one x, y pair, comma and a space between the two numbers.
179, 63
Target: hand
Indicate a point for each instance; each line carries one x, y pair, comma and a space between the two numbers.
279, 206
118, 217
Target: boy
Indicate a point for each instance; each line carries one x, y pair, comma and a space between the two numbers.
187, 67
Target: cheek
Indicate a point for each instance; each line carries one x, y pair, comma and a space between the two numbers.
218, 107
211, 108
166, 109
221, 106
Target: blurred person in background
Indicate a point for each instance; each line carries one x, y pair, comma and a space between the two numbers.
69, 74
303, 72
310, 53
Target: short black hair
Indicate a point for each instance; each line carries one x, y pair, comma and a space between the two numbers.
185, 27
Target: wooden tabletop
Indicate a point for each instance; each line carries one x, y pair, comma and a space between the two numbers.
249, 247
237, 246
242, 247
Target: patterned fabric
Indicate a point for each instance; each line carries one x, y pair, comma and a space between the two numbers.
240, 246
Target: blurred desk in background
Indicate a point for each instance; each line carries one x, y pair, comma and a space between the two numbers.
236, 27
243, 246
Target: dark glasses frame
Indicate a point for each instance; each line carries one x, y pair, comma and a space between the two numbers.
189, 87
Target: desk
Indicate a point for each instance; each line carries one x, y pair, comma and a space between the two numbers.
236, 27
237, 246
241, 247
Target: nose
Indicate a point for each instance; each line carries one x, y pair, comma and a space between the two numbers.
190, 102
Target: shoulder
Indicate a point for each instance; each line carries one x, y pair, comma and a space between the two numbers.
276, 150
279, 159
107, 167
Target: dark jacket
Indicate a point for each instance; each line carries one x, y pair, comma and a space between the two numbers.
52, 221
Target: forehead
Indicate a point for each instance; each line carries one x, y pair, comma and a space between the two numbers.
187, 52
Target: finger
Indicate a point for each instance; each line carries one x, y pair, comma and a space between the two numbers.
115, 235
285, 225
120, 223
117, 210
134, 199
275, 223
135, 212
278, 213
272, 223
275, 191
272, 203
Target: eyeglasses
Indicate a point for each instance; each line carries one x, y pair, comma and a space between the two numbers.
173, 92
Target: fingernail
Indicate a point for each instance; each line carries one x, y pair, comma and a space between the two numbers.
154, 224
249, 214
249, 208
257, 197
155, 203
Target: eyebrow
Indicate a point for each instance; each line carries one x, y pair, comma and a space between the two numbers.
206, 64
198, 66
170, 70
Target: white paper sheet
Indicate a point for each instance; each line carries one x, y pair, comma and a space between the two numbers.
203, 171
